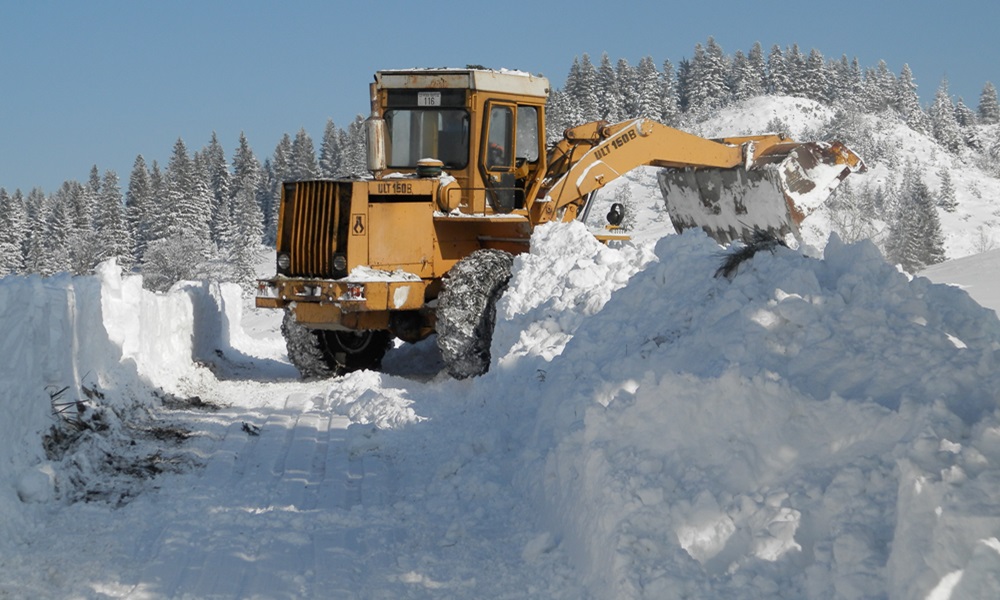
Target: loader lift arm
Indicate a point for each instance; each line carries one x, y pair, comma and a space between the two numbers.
712, 184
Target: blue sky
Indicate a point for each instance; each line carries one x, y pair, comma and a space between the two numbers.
85, 83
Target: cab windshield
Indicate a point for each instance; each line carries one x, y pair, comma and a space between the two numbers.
427, 133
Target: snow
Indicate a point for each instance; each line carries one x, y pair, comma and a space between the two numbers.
812, 427
818, 425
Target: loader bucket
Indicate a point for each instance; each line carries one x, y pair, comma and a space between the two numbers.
774, 192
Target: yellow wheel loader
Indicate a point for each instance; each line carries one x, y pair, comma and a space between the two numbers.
461, 175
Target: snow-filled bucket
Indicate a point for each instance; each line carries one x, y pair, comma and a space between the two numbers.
773, 192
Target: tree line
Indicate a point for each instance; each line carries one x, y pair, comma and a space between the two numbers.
900, 215
205, 216
201, 216
711, 80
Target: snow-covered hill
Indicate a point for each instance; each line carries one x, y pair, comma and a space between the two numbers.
971, 229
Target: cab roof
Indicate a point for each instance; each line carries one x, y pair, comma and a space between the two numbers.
487, 80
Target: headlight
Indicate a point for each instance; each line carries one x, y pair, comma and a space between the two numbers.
284, 261
340, 263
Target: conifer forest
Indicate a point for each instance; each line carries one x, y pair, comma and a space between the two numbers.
205, 215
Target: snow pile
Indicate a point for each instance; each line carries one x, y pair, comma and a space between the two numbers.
807, 428
567, 277
811, 428
84, 353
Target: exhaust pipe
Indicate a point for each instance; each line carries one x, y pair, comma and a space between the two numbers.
375, 132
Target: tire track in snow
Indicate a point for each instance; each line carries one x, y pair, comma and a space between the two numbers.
277, 515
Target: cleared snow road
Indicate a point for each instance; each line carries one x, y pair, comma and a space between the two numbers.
270, 514
286, 498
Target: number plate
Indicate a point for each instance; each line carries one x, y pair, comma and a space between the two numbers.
428, 98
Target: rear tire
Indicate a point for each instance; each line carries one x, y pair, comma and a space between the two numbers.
321, 353
466, 312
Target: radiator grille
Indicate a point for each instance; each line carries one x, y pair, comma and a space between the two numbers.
312, 206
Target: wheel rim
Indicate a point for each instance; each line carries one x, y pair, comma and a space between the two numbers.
351, 342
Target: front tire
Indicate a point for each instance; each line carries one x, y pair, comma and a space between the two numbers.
320, 353
466, 312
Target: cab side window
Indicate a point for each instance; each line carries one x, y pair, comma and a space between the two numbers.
500, 137
527, 133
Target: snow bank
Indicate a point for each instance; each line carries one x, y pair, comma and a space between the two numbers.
811, 428
73, 339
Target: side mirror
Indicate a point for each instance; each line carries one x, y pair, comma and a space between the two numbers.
617, 214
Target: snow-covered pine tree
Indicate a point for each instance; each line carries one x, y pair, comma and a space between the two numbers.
138, 200
708, 81
756, 70
248, 219
908, 104
355, 150
187, 208
39, 209
609, 95
886, 82
738, 80
13, 223
796, 65
648, 84
558, 115
944, 126
815, 78
839, 76
224, 228
947, 199
779, 78
93, 186
268, 202
78, 204
329, 152
670, 109
51, 223
849, 91
249, 232
303, 158
683, 86
572, 86
915, 237
277, 170
186, 250
932, 251
628, 89
747, 76
965, 116
157, 213
585, 90
82, 201
282, 160
110, 222
214, 158
879, 88
716, 73
201, 204
989, 109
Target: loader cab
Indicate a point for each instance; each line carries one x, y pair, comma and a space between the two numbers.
484, 126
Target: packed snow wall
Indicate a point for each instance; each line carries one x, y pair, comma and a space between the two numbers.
67, 338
